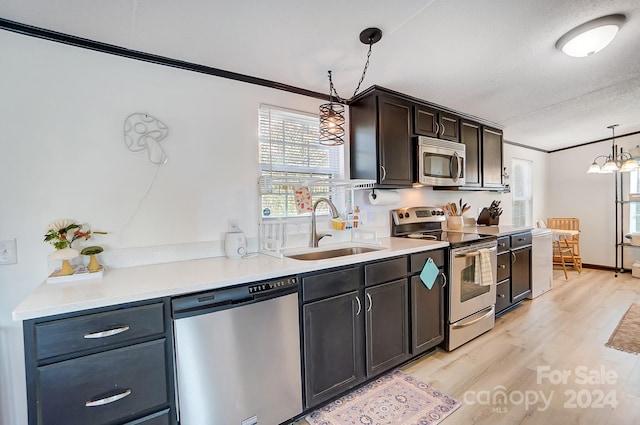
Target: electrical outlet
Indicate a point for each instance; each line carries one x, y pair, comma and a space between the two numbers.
8, 252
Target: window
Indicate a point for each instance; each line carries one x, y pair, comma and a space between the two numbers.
521, 189
290, 155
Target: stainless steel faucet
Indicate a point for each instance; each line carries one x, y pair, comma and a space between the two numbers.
315, 238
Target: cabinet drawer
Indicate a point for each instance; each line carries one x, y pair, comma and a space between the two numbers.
521, 239
504, 244
385, 271
331, 283
418, 260
104, 387
96, 330
503, 295
158, 418
504, 266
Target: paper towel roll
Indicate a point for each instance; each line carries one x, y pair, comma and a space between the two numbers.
384, 197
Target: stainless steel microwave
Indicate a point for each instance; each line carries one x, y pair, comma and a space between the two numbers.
440, 162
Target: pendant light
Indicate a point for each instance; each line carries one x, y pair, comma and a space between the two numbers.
590, 37
332, 114
623, 161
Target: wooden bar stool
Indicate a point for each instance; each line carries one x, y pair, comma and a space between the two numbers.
566, 236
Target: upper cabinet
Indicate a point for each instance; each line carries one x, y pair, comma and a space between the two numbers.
491, 157
431, 122
381, 140
384, 127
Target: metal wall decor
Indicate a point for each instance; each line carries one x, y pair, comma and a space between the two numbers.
144, 132
332, 114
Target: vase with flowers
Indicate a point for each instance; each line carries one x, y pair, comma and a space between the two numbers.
62, 234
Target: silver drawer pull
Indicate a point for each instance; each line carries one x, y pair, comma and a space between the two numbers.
107, 400
104, 334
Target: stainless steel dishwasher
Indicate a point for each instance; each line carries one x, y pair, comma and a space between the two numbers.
238, 354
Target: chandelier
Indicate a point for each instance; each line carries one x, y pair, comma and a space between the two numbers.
622, 161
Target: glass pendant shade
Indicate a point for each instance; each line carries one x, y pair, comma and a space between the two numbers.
332, 124
629, 165
590, 37
609, 167
594, 168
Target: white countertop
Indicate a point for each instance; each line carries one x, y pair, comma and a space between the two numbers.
499, 230
169, 279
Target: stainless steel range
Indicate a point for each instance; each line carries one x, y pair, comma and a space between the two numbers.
470, 310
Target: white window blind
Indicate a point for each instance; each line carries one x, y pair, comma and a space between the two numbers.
290, 155
521, 190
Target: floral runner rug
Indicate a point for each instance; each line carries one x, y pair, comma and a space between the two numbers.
626, 337
395, 398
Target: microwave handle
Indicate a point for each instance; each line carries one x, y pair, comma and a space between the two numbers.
459, 161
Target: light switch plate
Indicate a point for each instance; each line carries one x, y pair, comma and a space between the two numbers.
8, 252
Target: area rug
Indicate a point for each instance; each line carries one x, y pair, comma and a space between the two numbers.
395, 398
626, 337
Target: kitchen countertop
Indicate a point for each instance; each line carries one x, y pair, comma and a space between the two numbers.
499, 230
132, 284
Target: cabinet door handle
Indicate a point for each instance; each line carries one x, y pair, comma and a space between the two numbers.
104, 334
384, 174
437, 128
107, 400
443, 129
359, 306
502, 295
444, 279
502, 266
514, 258
370, 302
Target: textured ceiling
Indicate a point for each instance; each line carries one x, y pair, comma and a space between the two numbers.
493, 59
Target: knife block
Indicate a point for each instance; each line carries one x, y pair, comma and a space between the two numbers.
485, 219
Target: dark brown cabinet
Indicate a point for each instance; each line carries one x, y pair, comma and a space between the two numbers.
514, 270
428, 121
381, 144
470, 136
491, 157
387, 325
356, 322
333, 333
108, 366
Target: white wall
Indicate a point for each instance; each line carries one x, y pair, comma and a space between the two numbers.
62, 155
589, 197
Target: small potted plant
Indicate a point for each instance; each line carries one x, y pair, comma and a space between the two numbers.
92, 251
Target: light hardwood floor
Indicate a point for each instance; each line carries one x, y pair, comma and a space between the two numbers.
562, 331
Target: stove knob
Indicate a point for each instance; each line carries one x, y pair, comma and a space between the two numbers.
440, 212
406, 215
434, 212
400, 215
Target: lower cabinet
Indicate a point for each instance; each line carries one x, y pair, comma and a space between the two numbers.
387, 326
356, 322
104, 367
514, 270
332, 345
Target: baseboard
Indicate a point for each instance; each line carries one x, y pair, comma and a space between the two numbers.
598, 267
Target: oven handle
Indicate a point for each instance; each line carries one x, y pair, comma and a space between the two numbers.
489, 312
474, 253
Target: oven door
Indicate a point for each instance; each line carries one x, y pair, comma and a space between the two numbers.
466, 296
440, 163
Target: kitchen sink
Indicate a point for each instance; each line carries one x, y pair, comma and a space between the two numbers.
332, 253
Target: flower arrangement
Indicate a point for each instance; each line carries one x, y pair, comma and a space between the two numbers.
62, 233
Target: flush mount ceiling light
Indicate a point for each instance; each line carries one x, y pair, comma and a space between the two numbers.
622, 161
332, 113
590, 37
